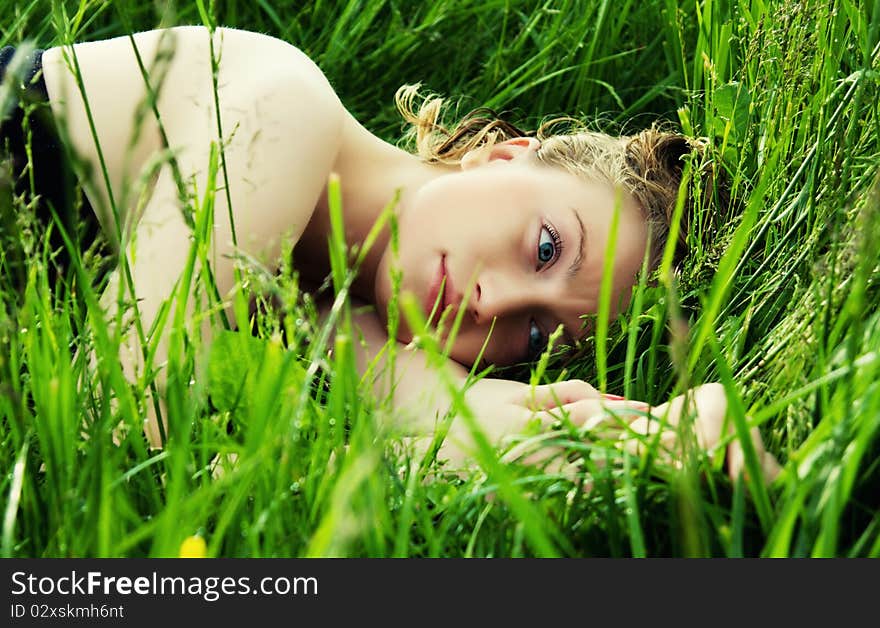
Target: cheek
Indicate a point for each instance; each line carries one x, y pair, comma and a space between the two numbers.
439, 217
443, 194
452, 198
427, 220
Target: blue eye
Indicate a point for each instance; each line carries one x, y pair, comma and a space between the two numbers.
549, 246
537, 341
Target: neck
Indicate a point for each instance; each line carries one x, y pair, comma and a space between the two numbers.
371, 173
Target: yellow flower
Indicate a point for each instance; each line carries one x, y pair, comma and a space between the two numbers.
193, 547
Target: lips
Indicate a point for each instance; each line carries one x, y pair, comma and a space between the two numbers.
434, 290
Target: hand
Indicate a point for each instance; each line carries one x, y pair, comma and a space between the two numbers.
503, 408
710, 415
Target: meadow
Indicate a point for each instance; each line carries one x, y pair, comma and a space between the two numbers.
777, 300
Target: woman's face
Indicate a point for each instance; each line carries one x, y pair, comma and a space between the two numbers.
519, 243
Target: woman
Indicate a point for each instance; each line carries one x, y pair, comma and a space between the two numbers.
511, 228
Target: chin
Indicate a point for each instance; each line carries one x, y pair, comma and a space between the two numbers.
404, 334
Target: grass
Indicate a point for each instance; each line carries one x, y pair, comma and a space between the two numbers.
778, 301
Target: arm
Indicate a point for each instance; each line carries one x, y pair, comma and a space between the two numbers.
281, 128
504, 408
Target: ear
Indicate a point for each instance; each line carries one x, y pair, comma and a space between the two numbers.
508, 150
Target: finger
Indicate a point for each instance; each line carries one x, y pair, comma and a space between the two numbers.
545, 453
573, 471
533, 450
553, 461
642, 434
559, 394
736, 460
708, 403
591, 413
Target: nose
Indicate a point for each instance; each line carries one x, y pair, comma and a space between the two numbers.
498, 295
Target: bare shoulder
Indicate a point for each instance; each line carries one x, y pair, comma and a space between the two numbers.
180, 63
270, 107
186, 41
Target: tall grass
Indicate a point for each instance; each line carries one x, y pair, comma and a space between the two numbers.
277, 448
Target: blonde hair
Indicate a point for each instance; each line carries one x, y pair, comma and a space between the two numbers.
648, 165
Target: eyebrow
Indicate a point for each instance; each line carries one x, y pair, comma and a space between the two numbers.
572, 271
579, 258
